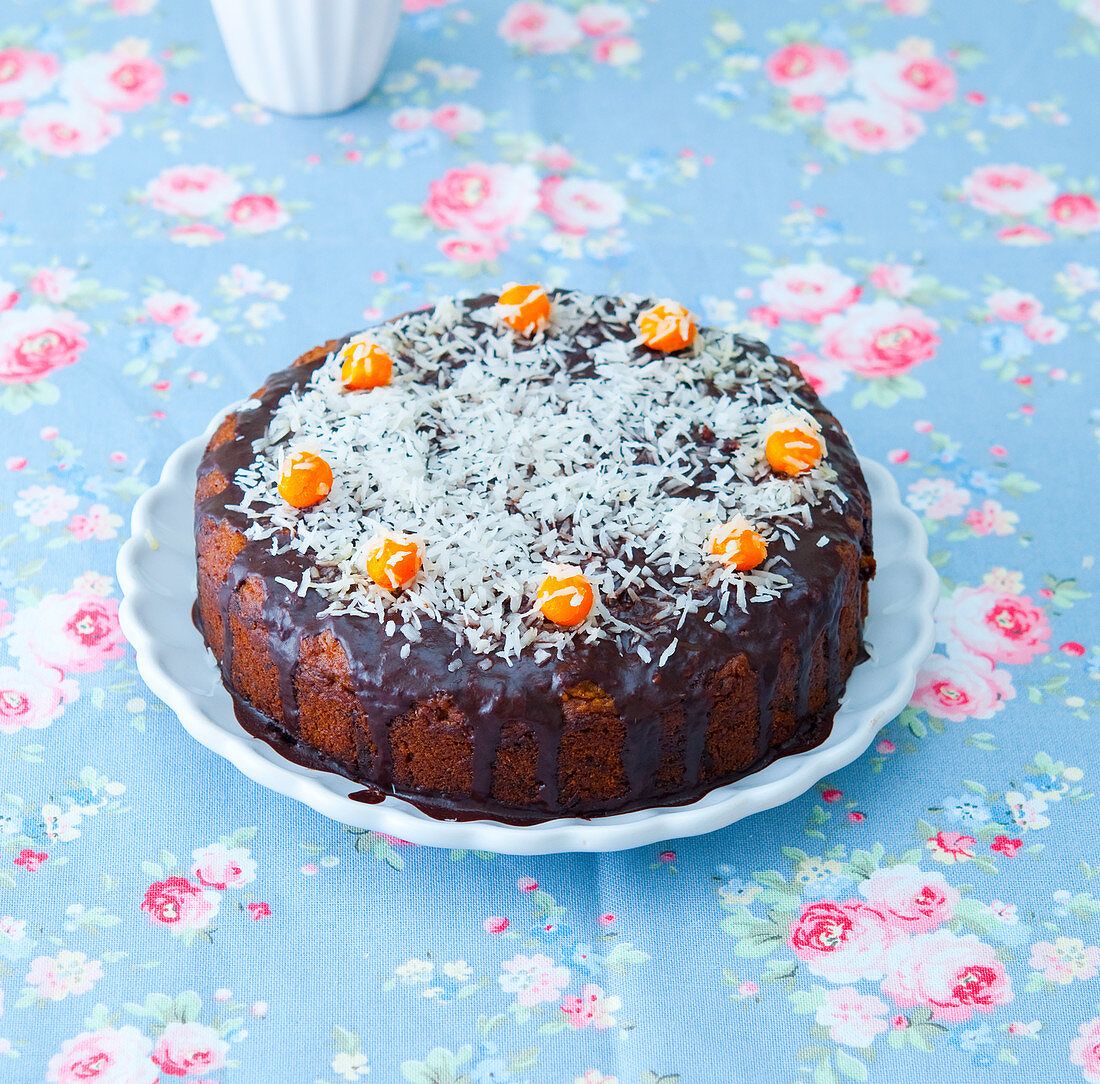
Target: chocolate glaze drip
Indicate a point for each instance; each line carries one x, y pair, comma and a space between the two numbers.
388, 686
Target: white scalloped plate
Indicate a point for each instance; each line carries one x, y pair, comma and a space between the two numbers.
156, 568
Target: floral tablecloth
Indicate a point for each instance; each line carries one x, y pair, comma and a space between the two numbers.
901, 195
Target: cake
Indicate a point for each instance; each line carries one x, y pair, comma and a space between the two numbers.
538, 555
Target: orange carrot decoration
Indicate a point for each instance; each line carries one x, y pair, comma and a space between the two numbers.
365, 365
525, 309
792, 442
667, 327
304, 480
737, 545
393, 560
565, 596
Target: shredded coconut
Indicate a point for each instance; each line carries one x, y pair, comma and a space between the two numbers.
499, 460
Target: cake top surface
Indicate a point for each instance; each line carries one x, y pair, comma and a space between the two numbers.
503, 456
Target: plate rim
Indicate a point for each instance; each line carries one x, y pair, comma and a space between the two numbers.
320, 790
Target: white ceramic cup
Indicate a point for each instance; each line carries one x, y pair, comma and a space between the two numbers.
307, 56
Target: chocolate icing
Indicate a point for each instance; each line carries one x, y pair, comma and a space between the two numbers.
387, 686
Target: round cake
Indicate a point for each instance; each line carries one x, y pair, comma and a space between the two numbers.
535, 555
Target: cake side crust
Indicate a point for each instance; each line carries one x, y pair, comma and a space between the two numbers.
579, 738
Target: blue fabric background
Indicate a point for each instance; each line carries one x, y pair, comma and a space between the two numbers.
721, 187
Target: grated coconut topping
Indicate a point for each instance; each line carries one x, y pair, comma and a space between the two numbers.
498, 463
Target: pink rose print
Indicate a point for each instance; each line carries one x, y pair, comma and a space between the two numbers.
823, 376
63, 129
576, 205
468, 249
42, 505
30, 859
955, 976
37, 340
1085, 1050
26, 74
192, 191
1046, 329
1024, 235
171, 308
911, 82
951, 847
257, 214
1064, 960
124, 7
937, 498
221, 867
189, 1049
99, 523
1014, 305
32, 697
1007, 847
198, 331
1076, 212
880, 339
394, 841
77, 631
617, 51
803, 69
60, 825
1081, 278
106, 1056
123, 80
593, 1007
53, 283
410, 119
808, 291
852, 1018
1027, 812
872, 127
553, 156
961, 687
533, 979
1002, 627
536, 27
95, 582
600, 20
458, 119
911, 900
841, 942
895, 279
195, 234
55, 977
259, 909
482, 199
1008, 190
807, 103
13, 929
177, 902
762, 314
991, 518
